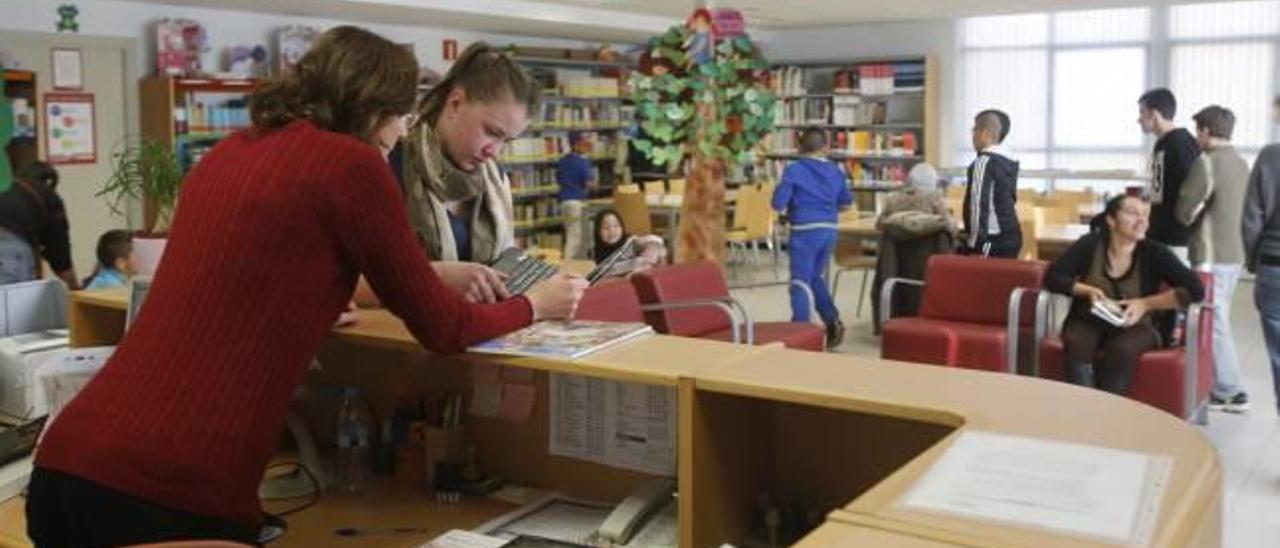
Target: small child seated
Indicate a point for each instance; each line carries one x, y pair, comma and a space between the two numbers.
115, 260
611, 234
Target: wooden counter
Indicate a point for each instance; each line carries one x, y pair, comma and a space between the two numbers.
852, 434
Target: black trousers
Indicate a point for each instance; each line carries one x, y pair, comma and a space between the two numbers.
68, 511
1083, 339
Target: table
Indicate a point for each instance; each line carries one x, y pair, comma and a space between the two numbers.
853, 434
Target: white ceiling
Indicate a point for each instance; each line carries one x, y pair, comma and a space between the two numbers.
635, 20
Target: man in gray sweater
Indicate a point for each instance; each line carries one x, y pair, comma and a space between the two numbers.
1210, 203
1261, 231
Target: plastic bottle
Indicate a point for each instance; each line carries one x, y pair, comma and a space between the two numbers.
354, 426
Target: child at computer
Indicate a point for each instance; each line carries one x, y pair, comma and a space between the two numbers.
812, 193
991, 193
115, 260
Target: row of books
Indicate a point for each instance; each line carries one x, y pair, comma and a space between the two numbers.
544, 240
864, 79
860, 142
583, 115
859, 172
538, 179
528, 214
845, 110
582, 83
199, 117
552, 147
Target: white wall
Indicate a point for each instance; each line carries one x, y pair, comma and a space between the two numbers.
880, 40
229, 28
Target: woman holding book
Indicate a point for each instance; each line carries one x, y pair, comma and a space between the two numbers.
170, 440
1130, 279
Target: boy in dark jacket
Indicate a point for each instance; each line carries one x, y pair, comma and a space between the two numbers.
990, 218
812, 193
1175, 152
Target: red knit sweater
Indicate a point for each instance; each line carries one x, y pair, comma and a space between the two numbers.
270, 236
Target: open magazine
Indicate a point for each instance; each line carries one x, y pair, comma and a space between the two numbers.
560, 339
1109, 311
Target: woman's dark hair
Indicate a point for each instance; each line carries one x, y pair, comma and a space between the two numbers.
1099, 222
348, 82
603, 249
486, 75
112, 245
39, 172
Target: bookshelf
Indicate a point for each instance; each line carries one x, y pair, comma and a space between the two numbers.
20, 92
578, 96
190, 115
880, 115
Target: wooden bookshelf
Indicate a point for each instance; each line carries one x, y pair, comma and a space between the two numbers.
25, 145
578, 96
881, 114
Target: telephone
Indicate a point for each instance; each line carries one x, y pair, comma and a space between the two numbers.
636, 509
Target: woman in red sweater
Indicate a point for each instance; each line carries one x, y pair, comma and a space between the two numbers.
171, 438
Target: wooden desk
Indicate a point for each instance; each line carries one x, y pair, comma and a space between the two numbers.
852, 434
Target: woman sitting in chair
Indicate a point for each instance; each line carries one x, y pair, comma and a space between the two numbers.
920, 196
1115, 266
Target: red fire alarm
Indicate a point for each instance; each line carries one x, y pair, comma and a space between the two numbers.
450, 49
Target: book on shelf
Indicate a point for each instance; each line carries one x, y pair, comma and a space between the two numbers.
569, 340
552, 147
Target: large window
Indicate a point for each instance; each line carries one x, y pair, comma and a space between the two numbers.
1070, 80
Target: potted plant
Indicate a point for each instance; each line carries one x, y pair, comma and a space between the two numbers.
144, 170
702, 94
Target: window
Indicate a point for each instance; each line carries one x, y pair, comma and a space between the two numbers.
1059, 80
1071, 80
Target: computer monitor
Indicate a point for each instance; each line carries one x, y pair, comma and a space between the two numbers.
139, 286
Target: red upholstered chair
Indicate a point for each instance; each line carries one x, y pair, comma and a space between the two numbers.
692, 300
611, 300
975, 313
1177, 379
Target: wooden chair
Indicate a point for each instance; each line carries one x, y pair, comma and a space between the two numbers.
634, 210
754, 218
655, 188
626, 188
676, 187
1030, 233
1057, 213
1027, 195
849, 256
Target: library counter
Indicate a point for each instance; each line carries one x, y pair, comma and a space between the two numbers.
852, 435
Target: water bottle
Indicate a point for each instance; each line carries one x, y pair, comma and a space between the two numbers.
354, 425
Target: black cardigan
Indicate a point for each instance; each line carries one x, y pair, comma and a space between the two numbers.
1158, 266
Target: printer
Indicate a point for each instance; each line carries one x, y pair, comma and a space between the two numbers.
33, 331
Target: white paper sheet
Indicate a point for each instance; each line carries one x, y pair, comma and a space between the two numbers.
1072, 488
624, 425
458, 538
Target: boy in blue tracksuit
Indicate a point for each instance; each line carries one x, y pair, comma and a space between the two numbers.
811, 194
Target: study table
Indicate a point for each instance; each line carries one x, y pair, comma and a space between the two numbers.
851, 434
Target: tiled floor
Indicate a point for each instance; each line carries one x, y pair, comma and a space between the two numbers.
1248, 444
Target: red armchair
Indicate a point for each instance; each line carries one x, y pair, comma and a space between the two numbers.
1177, 379
975, 313
611, 300
692, 300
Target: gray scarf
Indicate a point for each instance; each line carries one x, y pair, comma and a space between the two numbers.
432, 180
